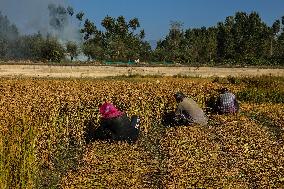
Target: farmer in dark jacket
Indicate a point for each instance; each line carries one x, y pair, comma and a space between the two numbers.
227, 102
188, 111
116, 125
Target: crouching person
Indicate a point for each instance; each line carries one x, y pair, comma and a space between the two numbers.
227, 103
115, 125
188, 111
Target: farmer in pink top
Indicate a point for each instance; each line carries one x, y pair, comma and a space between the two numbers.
116, 125
107, 111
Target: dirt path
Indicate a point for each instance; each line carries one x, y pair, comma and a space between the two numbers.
103, 71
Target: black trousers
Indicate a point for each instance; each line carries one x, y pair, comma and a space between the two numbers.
103, 133
170, 119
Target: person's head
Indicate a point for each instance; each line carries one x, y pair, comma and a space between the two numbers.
179, 96
224, 90
108, 110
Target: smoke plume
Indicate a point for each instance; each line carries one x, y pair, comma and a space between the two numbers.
51, 17
58, 17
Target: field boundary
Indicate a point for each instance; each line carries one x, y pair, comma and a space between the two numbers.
56, 71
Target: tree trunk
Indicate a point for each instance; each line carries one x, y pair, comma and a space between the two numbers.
271, 47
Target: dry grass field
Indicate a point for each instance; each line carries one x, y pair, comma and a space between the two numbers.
43, 123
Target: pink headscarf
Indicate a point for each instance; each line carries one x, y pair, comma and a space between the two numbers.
108, 110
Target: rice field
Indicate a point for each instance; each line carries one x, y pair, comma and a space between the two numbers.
44, 123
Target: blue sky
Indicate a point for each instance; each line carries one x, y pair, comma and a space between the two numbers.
155, 15
32, 16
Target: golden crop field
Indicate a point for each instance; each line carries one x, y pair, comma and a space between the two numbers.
43, 127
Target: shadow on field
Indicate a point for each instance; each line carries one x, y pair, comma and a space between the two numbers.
66, 158
275, 130
65, 151
93, 133
167, 119
152, 142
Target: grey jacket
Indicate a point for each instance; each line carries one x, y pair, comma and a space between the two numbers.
191, 108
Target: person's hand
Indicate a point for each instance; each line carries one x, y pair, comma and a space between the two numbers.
177, 117
137, 123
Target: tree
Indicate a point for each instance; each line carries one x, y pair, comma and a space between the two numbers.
8, 35
4, 47
175, 32
242, 38
89, 29
142, 34
52, 50
134, 24
278, 47
225, 39
94, 48
121, 27
72, 49
58, 16
29, 47
274, 31
122, 44
80, 16
211, 41
258, 36
89, 50
170, 47
70, 10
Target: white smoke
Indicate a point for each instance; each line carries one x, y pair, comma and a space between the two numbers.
33, 16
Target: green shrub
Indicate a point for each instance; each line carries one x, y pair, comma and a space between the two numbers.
257, 95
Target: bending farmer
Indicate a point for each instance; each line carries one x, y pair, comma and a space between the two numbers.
115, 124
188, 111
227, 102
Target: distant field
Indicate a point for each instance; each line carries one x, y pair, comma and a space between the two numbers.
105, 71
